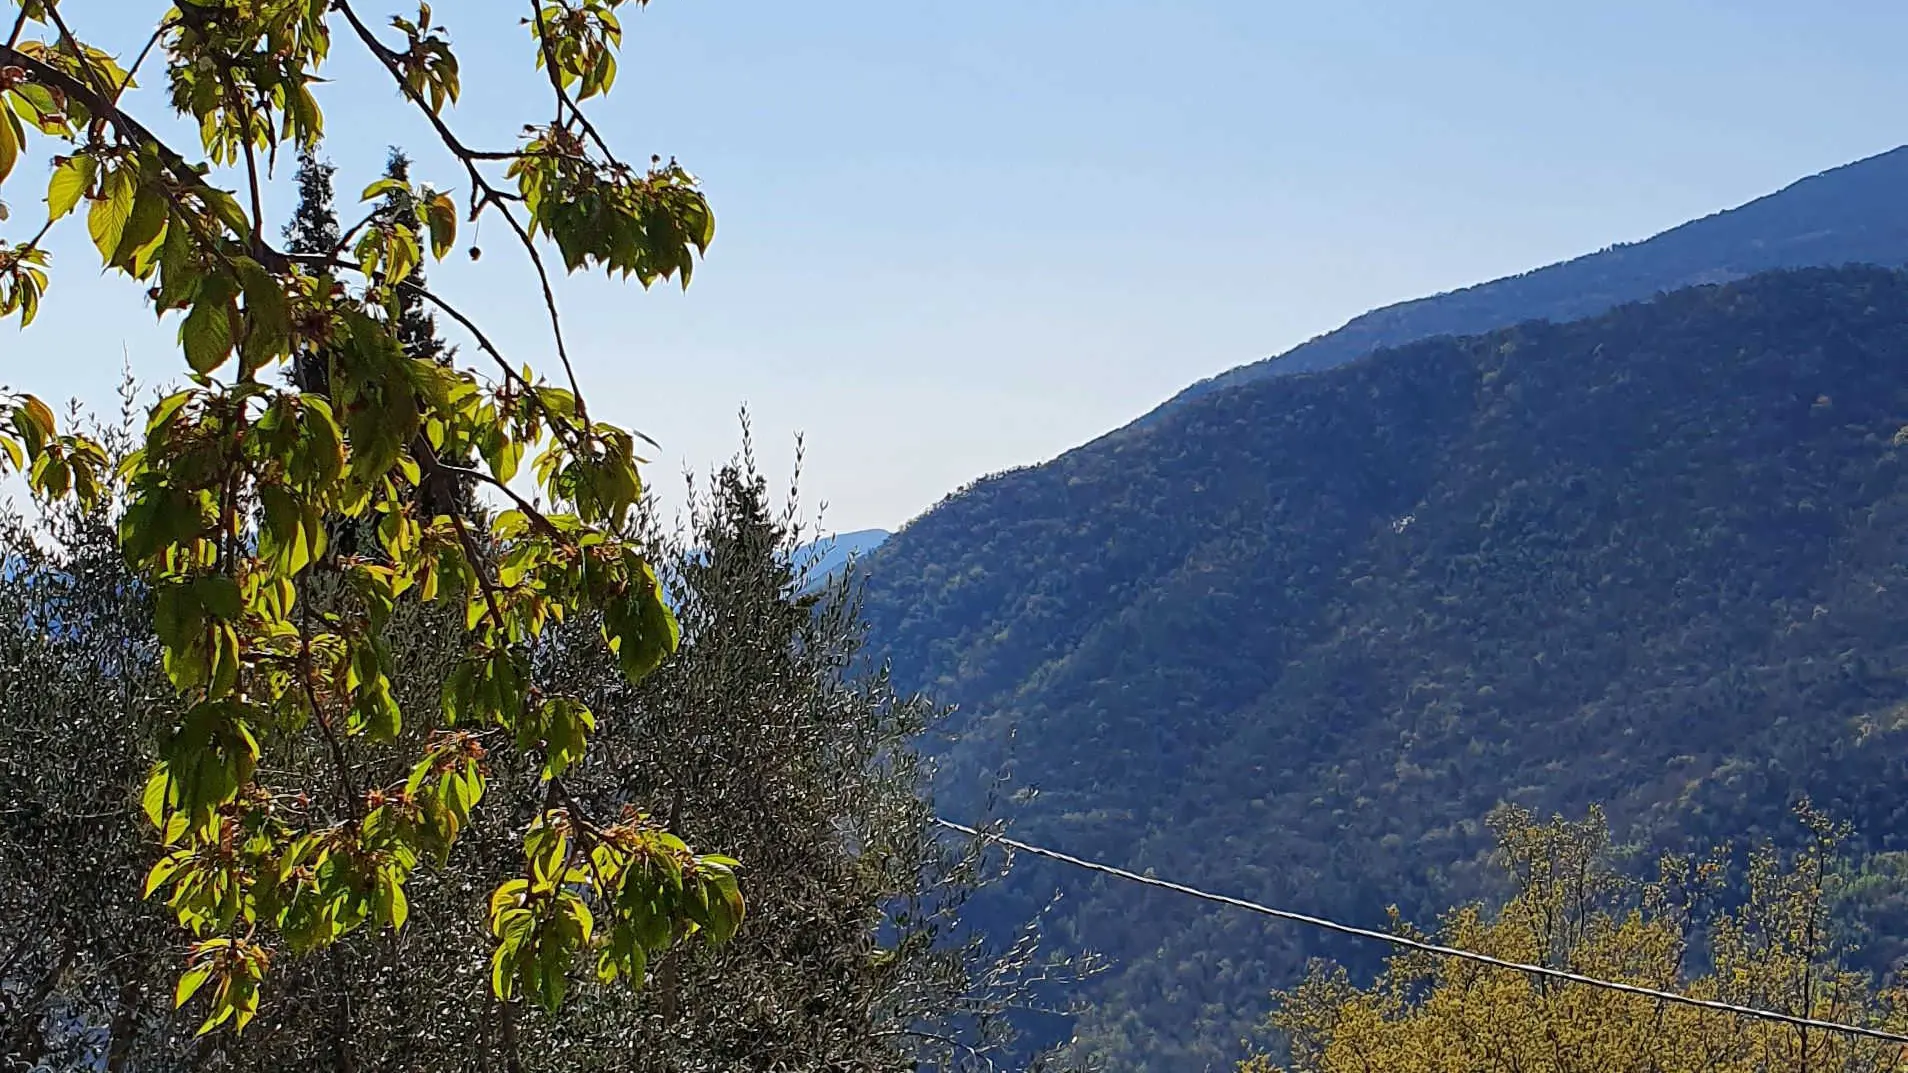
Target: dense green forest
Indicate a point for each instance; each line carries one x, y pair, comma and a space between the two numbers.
1297, 639
1853, 214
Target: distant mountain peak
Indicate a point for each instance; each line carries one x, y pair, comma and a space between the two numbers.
822, 559
1853, 214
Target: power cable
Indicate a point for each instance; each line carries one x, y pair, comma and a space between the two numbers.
1429, 948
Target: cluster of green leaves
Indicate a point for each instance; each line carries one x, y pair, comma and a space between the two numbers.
658, 891
231, 500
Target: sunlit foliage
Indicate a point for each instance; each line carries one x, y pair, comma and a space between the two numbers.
270, 633
1572, 911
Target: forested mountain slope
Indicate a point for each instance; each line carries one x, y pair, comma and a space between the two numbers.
1854, 214
1295, 639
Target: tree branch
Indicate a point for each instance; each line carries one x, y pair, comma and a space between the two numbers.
430, 463
556, 84
19, 26
530, 510
131, 130
559, 423
347, 784
491, 196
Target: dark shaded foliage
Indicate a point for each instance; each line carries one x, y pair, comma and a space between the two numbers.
1296, 639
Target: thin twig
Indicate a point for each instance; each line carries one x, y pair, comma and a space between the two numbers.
429, 462
530, 510
347, 787
19, 25
556, 84
490, 194
344, 240
19, 252
549, 303
139, 61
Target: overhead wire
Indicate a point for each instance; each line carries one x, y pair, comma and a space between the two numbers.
1326, 924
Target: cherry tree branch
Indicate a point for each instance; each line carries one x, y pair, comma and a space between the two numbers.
19, 26
491, 196
556, 84
140, 61
429, 462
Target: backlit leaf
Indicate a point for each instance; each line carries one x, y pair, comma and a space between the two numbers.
10, 139
106, 220
206, 335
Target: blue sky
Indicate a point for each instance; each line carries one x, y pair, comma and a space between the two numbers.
954, 238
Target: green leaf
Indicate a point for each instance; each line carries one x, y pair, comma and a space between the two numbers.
503, 454
642, 628
550, 967
153, 800
383, 187
35, 104
442, 217
726, 907
10, 139
143, 231
227, 209
207, 335
106, 220
281, 539
502, 979
178, 274
163, 869
393, 906
164, 410
546, 849
35, 421
189, 984
267, 321
219, 595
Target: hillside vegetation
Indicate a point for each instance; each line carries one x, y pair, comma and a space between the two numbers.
1854, 214
1296, 640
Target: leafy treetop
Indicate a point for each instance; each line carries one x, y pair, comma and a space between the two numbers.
225, 504
1772, 948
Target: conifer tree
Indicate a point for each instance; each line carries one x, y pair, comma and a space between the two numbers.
312, 231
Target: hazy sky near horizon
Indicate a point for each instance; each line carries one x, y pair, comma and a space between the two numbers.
957, 238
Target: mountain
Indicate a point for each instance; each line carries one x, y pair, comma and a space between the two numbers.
1854, 214
823, 559
1293, 640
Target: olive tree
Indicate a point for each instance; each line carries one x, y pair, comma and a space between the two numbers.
768, 731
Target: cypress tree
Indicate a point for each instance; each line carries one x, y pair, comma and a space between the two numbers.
417, 331
313, 229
